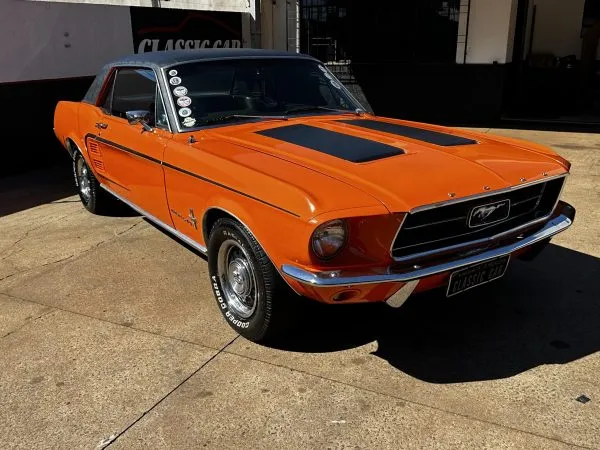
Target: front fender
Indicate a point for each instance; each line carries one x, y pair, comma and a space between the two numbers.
272, 228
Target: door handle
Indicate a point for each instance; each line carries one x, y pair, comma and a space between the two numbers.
101, 125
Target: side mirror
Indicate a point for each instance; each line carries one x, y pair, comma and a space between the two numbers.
139, 117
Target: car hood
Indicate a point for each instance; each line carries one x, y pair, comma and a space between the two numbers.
402, 164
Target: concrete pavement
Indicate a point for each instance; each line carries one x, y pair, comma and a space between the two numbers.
110, 337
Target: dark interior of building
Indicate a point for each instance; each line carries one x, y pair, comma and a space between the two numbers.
400, 58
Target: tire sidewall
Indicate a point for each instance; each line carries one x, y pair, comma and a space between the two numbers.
255, 325
87, 203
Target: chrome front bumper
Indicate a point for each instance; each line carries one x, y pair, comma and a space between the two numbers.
389, 275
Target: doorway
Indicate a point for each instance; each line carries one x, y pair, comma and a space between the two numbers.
555, 72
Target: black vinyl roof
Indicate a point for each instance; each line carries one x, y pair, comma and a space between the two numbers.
167, 58
161, 59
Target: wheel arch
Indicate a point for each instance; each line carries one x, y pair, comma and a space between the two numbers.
72, 145
214, 213
211, 215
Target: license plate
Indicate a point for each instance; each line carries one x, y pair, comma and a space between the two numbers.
473, 276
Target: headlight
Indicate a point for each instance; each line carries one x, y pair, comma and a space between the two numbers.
329, 238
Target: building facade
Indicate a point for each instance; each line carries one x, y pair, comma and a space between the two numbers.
51, 50
447, 61
463, 61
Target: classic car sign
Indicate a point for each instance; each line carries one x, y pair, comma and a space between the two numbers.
305, 195
157, 29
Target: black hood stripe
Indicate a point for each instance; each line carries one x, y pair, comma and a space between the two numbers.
340, 145
432, 137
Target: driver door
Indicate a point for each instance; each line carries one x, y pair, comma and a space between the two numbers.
132, 156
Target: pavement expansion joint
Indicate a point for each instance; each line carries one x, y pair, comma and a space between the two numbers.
75, 255
141, 330
113, 438
49, 263
26, 235
29, 322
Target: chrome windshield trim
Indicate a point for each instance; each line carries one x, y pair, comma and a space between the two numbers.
293, 56
172, 109
162, 100
484, 194
160, 223
388, 275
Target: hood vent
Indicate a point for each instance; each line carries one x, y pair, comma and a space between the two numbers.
419, 134
344, 146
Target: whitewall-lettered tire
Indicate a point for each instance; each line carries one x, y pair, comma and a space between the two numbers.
250, 293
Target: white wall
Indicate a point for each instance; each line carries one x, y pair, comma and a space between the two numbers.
558, 27
54, 40
490, 31
246, 6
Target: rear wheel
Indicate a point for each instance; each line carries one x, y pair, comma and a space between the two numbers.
252, 297
95, 199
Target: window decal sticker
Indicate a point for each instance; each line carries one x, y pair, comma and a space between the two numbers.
175, 81
180, 91
185, 112
184, 101
189, 122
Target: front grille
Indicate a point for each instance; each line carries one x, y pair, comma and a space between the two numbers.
447, 226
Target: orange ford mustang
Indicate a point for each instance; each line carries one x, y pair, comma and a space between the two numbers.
263, 161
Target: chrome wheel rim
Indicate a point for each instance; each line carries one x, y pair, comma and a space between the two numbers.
83, 179
238, 278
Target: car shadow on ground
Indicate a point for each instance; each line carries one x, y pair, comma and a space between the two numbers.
37, 187
542, 312
53, 184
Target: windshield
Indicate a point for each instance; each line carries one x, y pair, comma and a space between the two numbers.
208, 92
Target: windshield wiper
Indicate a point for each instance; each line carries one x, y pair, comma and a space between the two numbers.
228, 117
308, 108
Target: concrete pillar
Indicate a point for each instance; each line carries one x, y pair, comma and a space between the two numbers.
251, 24
266, 24
486, 28
280, 24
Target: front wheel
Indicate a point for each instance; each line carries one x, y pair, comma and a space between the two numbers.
251, 295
